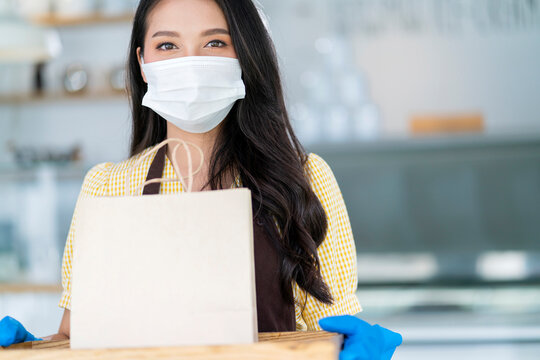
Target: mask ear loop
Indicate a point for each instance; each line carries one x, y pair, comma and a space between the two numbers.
179, 178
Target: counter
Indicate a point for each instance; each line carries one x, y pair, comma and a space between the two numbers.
300, 345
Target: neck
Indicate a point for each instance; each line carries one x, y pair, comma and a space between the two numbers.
204, 141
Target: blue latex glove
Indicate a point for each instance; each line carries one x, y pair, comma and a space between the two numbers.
362, 340
13, 332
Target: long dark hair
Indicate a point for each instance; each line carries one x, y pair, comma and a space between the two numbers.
256, 141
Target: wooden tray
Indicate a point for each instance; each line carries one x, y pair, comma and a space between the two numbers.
316, 345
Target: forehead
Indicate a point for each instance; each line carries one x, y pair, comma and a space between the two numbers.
185, 16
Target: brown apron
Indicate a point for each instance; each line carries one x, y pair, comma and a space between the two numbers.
274, 313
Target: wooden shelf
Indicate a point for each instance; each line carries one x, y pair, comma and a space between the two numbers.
57, 97
94, 19
29, 173
30, 288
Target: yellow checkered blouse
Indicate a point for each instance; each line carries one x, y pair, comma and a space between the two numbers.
337, 252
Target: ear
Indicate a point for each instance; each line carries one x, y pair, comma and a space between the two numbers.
140, 64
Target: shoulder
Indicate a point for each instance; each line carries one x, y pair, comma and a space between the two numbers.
96, 179
315, 162
319, 172
103, 177
324, 184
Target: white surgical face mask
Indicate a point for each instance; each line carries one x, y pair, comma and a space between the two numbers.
195, 93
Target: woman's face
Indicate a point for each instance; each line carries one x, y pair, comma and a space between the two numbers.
177, 28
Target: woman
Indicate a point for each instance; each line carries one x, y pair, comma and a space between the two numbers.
205, 71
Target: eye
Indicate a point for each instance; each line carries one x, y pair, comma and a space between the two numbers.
166, 46
216, 43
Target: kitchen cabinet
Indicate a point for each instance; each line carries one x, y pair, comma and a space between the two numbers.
463, 201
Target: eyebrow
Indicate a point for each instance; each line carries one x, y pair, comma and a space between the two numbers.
166, 33
209, 32
215, 32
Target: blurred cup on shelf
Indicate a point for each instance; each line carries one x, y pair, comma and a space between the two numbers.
306, 123
337, 124
75, 78
367, 122
117, 78
74, 8
33, 8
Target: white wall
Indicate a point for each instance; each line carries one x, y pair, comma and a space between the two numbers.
498, 75
417, 56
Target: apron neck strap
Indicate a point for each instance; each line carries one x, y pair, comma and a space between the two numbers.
155, 172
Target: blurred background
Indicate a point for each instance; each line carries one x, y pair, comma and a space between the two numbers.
428, 111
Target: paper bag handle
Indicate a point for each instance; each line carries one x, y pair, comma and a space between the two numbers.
174, 164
